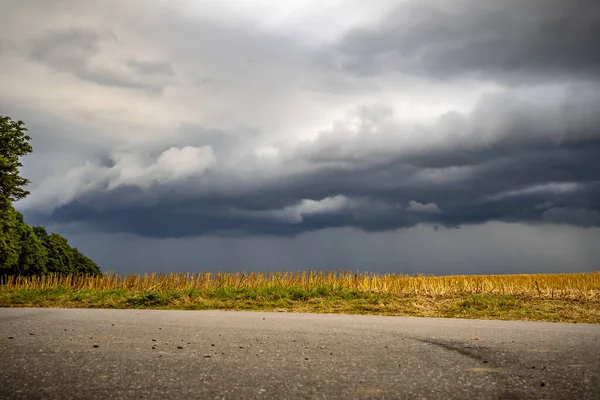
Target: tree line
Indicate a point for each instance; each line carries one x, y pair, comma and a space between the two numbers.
27, 250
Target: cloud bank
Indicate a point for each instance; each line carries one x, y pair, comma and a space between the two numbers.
182, 120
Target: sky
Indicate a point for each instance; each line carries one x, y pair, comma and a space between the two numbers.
409, 136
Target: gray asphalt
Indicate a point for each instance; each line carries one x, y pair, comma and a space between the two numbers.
143, 354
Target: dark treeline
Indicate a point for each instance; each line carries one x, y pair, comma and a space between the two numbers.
27, 250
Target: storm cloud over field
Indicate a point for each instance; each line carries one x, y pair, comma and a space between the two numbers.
409, 135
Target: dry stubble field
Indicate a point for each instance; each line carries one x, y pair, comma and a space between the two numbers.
541, 297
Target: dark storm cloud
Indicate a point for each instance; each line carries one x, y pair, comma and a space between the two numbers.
585, 218
507, 177
72, 51
510, 41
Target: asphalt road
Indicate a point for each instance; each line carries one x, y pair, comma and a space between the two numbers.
94, 354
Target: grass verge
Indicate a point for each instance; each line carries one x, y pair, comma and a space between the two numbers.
317, 300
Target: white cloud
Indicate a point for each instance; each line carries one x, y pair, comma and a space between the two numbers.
317, 21
172, 165
551, 187
415, 206
295, 214
129, 169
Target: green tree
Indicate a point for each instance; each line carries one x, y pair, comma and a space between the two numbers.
21, 252
33, 256
14, 144
62, 258
83, 264
9, 241
25, 250
59, 260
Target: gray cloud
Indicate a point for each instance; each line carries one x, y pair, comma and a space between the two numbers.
415, 206
585, 218
152, 67
482, 249
79, 52
485, 167
350, 122
508, 41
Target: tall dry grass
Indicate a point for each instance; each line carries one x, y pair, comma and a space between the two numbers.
583, 286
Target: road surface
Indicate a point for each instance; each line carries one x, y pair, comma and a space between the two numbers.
145, 354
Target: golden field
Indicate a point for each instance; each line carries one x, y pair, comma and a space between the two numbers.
581, 286
543, 297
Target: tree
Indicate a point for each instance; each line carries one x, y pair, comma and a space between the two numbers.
33, 256
25, 250
21, 252
62, 258
83, 264
14, 144
9, 241
59, 260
